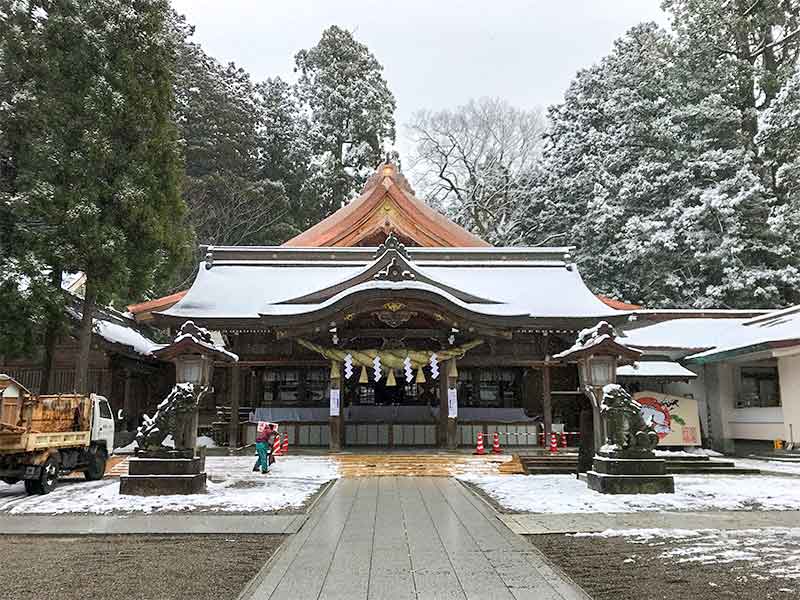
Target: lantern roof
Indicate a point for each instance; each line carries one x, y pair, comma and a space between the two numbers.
600, 340
192, 339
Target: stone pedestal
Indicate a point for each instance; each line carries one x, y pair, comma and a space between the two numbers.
630, 473
164, 473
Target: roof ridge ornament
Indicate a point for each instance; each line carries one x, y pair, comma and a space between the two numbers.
394, 272
392, 243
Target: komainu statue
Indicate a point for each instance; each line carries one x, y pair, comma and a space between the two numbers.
170, 419
626, 429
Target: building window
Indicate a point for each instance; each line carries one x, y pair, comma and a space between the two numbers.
759, 387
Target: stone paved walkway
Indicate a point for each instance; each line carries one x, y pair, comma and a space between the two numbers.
407, 537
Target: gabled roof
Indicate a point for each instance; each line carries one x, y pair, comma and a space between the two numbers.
387, 204
272, 284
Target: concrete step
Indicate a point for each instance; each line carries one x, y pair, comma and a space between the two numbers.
551, 470
678, 470
720, 464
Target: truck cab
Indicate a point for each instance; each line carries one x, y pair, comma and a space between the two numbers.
102, 424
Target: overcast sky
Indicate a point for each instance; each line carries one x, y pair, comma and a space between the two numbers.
435, 53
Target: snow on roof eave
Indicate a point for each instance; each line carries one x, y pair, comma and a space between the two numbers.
773, 315
733, 351
394, 286
656, 368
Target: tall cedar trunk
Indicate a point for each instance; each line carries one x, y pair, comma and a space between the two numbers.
85, 339
50, 339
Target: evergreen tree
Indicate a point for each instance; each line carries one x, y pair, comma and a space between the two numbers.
96, 153
231, 199
351, 112
652, 168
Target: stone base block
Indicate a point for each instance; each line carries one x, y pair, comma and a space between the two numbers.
165, 466
630, 484
628, 466
162, 485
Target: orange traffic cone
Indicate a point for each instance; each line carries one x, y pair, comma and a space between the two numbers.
276, 445
496, 444
285, 446
479, 446
563, 440
553, 443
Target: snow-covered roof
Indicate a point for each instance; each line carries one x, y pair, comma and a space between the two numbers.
774, 330
712, 337
117, 328
681, 334
245, 283
656, 368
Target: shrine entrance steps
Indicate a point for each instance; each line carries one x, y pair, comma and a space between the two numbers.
564, 464
421, 464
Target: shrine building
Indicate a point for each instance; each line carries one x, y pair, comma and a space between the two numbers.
387, 324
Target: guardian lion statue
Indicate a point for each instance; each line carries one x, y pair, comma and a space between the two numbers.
626, 429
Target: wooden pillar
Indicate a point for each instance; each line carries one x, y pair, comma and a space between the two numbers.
452, 419
448, 426
336, 420
235, 390
547, 404
127, 402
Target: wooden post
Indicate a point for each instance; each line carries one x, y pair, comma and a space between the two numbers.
233, 432
547, 404
127, 401
336, 421
452, 421
443, 366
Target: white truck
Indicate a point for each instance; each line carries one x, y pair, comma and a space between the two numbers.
43, 437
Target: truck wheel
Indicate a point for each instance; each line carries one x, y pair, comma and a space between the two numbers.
97, 466
47, 481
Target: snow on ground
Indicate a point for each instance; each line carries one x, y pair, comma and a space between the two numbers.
232, 487
776, 550
566, 494
772, 466
689, 452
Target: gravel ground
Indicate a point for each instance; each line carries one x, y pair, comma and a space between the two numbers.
137, 567
620, 568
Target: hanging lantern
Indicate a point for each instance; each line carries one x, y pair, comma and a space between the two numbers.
390, 381
420, 375
364, 378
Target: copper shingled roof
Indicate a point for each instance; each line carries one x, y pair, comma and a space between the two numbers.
387, 204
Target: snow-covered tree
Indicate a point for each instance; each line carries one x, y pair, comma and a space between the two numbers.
653, 170
476, 163
96, 158
220, 116
351, 114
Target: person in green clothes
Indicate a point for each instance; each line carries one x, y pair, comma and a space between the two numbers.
264, 434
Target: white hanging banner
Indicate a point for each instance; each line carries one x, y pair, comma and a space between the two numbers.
334, 403
452, 403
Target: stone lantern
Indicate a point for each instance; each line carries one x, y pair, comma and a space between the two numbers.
598, 354
622, 457
156, 469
